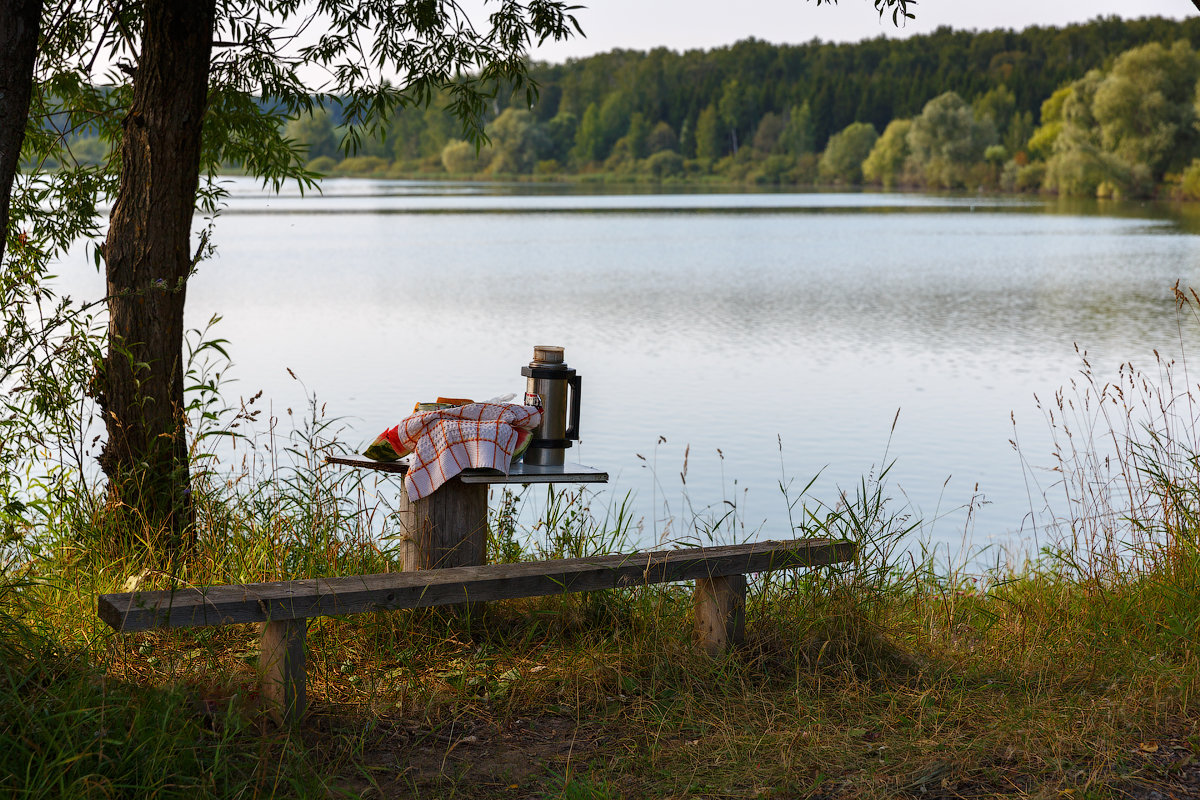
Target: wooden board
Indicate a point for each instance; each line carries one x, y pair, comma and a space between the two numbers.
314, 597
445, 529
281, 668
519, 473
720, 612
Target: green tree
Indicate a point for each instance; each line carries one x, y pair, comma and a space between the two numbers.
843, 158
639, 131
20, 24
886, 160
1020, 129
1146, 107
687, 138
613, 121
518, 142
946, 140
589, 140
406, 130
710, 143
1041, 142
620, 157
439, 128
734, 110
768, 133
464, 158
799, 134
180, 112
996, 104
661, 138
1123, 130
664, 164
415, 133
561, 130
313, 130
1189, 184
1077, 164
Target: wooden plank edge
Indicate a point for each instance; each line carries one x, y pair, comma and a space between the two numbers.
488, 476
195, 607
399, 467
498, 478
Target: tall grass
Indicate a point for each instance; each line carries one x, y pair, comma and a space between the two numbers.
894, 675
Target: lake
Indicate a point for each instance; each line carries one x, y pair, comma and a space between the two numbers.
755, 338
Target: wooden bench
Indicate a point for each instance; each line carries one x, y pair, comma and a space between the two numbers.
282, 607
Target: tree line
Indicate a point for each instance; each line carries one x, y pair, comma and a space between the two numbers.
945, 110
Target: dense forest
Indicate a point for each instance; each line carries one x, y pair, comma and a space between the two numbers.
1107, 107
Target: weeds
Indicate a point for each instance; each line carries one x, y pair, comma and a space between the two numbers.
1067, 673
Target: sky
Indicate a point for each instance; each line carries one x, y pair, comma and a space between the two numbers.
705, 24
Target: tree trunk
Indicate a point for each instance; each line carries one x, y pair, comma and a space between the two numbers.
20, 22
148, 260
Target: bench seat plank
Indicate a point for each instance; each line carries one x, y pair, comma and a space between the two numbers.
315, 597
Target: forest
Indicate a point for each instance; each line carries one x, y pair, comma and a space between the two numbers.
1106, 107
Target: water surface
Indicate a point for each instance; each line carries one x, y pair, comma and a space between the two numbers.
768, 336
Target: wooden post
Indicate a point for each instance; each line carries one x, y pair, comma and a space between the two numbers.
721, 612
445, 529
410, 545
281, 662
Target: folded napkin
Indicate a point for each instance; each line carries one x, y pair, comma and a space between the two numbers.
446, 441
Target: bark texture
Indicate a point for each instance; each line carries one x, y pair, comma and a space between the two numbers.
20, 23
148, 260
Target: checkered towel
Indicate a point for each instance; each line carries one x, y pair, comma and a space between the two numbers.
449, 440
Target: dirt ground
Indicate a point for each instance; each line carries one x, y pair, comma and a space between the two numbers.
526, 758
558, 757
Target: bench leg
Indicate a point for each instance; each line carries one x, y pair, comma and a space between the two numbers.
721, 612
281, 661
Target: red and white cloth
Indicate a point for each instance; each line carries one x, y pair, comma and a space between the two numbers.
447, 441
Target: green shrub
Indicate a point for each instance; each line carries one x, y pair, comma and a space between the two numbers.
322, 165
664, 164
461, 158
362, 165
772, 171
845, 153
1031, 177
1189, 186
886, 160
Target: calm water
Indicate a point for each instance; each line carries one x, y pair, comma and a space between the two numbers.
716, 325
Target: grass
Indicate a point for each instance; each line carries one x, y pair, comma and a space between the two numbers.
1070, 673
